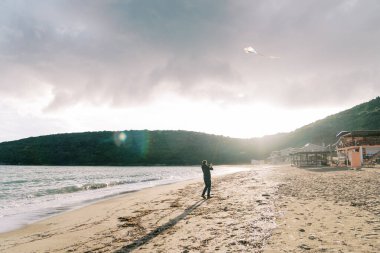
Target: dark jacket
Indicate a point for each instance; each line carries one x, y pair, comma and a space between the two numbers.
206, 171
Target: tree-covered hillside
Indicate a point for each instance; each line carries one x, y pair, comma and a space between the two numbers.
126, 148
365, 116
178, 147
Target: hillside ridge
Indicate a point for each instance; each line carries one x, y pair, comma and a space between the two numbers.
177, 147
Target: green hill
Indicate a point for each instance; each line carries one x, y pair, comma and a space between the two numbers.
365, 116
138, 148
178, 147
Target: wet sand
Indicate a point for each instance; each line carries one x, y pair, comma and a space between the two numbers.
279, 209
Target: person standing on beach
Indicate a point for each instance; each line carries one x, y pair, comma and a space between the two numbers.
207, 178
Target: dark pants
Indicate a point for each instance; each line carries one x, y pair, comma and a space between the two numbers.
207, 186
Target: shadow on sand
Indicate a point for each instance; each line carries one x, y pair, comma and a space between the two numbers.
145, 239
326, 169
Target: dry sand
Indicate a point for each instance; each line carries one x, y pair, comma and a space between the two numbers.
328, 210
282, 209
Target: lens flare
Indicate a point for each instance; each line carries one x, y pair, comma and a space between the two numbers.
122, 136
119, 138
136, 142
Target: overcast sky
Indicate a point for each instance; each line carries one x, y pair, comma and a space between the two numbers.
72, 66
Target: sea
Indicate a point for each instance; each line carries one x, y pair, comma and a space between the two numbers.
32, 193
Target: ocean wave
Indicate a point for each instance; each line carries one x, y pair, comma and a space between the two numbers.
15, 182
150, 179
66, 189
88, 187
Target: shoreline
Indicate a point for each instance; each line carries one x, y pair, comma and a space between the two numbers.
40, 230
123, 222
71, 201
89, 202
64, 209
275, 209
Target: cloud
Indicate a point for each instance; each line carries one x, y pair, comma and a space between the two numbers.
125, 53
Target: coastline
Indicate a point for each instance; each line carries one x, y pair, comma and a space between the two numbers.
56, 232
144, 218
25, 202
277, 209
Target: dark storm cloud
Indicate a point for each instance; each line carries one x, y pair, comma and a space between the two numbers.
127, 52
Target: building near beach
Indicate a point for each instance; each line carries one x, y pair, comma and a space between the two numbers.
358, 148
310, 155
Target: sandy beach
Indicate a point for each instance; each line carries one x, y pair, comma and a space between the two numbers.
327, 210
277, 209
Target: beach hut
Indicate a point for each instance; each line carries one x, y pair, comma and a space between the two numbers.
310, 155
358, 148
